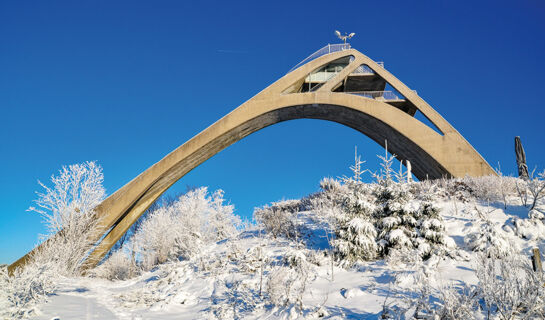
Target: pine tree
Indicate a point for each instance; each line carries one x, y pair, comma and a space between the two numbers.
355, 234
396, 217
431, 229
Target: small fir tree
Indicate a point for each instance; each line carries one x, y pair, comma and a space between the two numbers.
356, 233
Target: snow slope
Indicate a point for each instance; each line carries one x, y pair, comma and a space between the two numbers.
242, 276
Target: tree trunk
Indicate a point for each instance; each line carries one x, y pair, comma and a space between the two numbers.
521, 159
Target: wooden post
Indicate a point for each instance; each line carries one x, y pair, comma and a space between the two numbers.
536, 260
409, 171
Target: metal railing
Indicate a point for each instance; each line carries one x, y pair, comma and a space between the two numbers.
378, 95
330, 48
363, 69
321, 76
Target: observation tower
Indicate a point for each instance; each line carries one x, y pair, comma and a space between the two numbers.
336, 83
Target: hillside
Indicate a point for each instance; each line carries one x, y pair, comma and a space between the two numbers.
450, 249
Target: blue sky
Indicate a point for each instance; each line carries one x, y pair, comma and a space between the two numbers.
126, 82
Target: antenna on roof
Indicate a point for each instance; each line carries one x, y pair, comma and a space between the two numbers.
346, 36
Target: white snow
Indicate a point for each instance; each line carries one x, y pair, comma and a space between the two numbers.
229, 279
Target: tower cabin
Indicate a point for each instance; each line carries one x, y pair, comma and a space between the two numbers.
363, 81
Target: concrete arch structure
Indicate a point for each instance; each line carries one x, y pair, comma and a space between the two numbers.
432, 154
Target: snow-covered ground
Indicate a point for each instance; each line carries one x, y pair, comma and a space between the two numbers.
230, 279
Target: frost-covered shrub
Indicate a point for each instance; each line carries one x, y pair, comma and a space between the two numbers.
457, 303
278, 218
448, 302
118, 266
286, 285
490, 239
510, 288
178, 230
279, 286
175, 230
254, 260
238, 298
24, 289
295, 258
486, 188
458, 189
490, 188
218, 220
331, 197
171, 232
330, 185
403, 256
532, 228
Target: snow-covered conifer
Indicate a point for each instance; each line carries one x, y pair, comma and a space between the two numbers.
431, 230
489, 238
355, 232
396, 220
356, 169
406, 222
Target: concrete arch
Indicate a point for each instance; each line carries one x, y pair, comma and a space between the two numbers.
433, 155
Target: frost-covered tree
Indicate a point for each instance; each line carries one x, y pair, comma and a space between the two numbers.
355, 231
533, 186
66, 207
74, 193
357, 170
536, 187
355, 240
371, 219
386, 174
432, 236
67, 211
350, 207
395, 214
396, 217
404, 221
